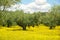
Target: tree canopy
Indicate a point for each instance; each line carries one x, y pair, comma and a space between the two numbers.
8, 3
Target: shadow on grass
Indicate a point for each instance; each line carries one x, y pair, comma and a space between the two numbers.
18, 30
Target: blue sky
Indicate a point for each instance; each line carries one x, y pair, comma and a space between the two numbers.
35, 5
26, 1
49, 1
38, 5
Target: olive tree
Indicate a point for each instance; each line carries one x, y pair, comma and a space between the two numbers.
51, 19
4, 15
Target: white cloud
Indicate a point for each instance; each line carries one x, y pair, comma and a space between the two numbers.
40, 1
14, 7
37, 5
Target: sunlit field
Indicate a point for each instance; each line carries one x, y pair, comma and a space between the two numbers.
29, 19
37, 33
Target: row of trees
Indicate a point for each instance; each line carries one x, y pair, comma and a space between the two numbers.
9, 18
50, 19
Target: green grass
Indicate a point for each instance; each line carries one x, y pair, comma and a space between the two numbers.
36, 33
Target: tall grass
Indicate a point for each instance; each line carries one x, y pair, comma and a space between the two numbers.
37, 33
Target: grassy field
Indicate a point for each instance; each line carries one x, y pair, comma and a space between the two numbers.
36, 33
